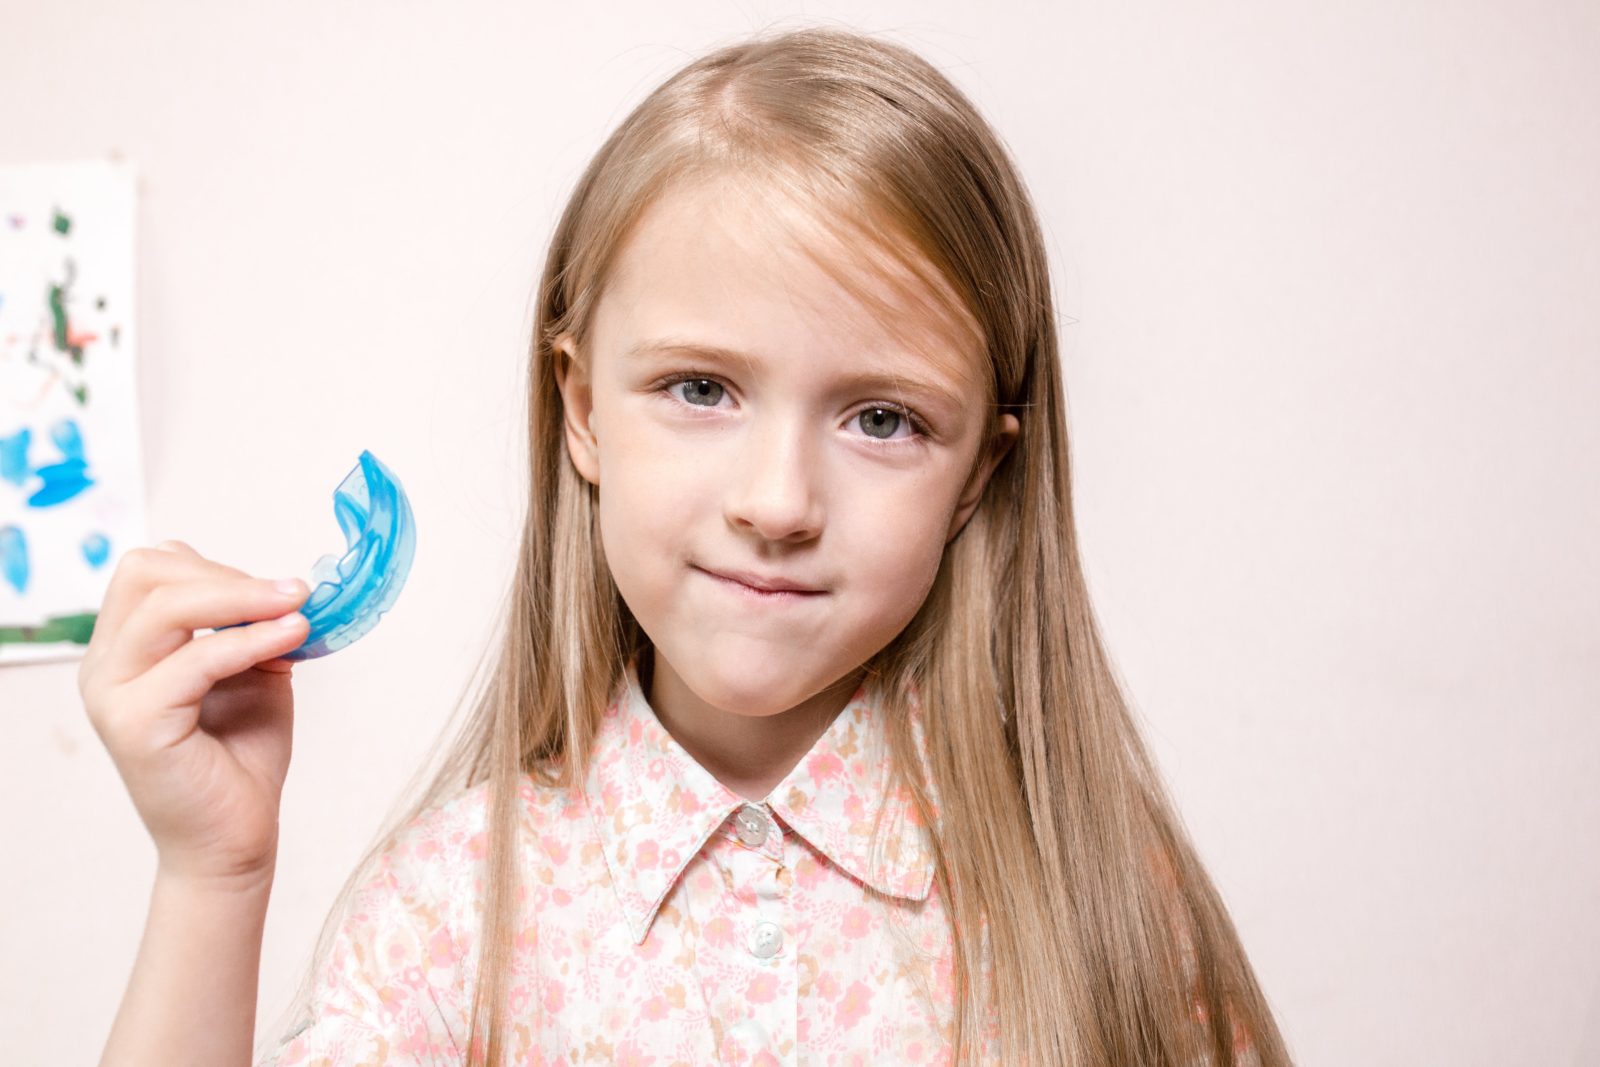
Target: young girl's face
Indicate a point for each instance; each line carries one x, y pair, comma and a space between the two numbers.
724, 409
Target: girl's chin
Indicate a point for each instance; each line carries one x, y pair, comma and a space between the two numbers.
735, 681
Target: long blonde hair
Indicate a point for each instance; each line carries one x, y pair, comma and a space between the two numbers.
1106, 940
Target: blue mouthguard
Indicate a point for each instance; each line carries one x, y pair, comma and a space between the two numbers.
350, 594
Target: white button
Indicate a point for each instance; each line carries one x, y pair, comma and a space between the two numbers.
766, 939
751, 825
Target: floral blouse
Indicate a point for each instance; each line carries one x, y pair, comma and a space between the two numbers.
666, 920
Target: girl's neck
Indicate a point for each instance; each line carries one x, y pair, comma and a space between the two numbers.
750, 754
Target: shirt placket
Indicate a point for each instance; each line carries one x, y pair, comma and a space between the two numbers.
764, 941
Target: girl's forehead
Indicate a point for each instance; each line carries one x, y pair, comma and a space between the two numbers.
726, 257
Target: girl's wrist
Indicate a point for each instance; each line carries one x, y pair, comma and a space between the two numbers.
243, 884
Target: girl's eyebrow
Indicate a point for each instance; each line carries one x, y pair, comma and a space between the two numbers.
932, 391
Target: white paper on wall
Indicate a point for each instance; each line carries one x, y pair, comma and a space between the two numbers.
71, 484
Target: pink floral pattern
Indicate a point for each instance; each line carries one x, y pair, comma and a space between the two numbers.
656, 927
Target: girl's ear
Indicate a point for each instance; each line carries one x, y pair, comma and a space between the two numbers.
999, 443
577, 405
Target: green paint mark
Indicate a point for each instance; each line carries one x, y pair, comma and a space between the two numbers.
59, 332
81, 392
62, 223
58, 317
75, 629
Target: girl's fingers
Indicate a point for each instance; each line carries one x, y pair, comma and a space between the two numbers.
137, 572
180, 680
166, 618
141, 570
185, 550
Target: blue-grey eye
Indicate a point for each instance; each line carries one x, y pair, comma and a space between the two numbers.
702, 387
877, 418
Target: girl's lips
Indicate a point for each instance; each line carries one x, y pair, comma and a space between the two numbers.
763, 595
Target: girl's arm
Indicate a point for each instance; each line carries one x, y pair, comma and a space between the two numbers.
200, 731
192, 997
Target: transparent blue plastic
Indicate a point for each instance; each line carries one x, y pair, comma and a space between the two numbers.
350, 593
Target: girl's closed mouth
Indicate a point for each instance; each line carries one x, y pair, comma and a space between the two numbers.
772, 588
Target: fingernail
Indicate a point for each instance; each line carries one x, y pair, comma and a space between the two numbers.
290, 621
287, 586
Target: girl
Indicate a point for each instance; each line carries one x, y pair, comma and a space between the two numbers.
801, 744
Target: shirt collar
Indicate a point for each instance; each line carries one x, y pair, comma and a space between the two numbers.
654, 807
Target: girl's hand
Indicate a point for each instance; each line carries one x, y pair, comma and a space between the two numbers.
199, 728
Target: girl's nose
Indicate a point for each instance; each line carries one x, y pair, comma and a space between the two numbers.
775, 491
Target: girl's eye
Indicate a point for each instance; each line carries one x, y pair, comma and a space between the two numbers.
702, 387
876, 418
705, 392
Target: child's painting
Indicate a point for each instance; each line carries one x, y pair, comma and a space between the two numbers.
71, 488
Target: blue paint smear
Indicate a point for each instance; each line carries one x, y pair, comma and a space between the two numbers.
62, 482
14, 557
67, 438
14, 456
96, 549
